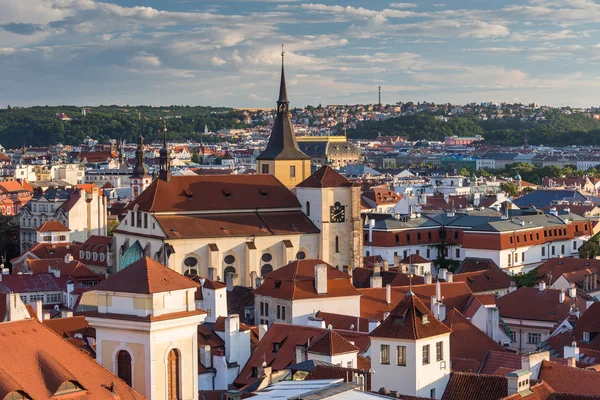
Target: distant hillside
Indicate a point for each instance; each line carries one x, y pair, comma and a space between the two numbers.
557, 129
39, 126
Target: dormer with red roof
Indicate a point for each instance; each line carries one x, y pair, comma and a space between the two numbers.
147, 329
52, 232
410, 351
332, 348
333, 204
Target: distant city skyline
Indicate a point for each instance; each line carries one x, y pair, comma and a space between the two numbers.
227, 53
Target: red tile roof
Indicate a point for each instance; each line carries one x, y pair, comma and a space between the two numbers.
569, 379
463, 385
344, 322
410, 320
540, 391
484, 281
215, 193
52, 226
414, 259
473, 264
555, 267
504, 361
68, 327
588, 322
331, 344
325, 177
466, 340
297, 281
146, 276
545, 305
46, 361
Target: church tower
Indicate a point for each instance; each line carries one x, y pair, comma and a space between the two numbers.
147, 330
282, 157
139, 180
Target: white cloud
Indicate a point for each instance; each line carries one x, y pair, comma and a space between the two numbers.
6, 50
145, 59
217, 61
403, 5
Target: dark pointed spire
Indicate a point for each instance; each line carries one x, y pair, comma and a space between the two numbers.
164, 172
283, 99
140, 170
282, 143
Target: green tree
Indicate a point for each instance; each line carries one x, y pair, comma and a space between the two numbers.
9, 238
510, 188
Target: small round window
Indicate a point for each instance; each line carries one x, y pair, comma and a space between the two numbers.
301, 255
266, 269
229, 259
267, 257
190, 262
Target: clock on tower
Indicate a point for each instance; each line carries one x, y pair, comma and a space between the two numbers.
338, 213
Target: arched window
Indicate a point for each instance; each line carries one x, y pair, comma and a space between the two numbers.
173, 373
266, 269
337, 244
308, 208
229, 273
124, 366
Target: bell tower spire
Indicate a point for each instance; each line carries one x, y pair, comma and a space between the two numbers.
282, 157
164, 172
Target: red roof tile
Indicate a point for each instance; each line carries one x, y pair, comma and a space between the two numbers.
52, 226
332, 344
411, 320
463, 385
215, 192
146, 276
484, 281
45, 361
297, 281
414, 259
344, 322
325, 177
497, 360
570, 379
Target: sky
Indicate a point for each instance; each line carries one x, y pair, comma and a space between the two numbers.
228, 52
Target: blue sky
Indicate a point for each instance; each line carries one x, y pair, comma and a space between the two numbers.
227, 52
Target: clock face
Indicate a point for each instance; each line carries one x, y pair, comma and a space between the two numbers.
338, 213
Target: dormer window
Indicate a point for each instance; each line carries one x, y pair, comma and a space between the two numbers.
586, 337
17, 395
425, 319
276, 347
68, 387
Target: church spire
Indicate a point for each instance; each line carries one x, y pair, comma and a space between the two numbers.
140, 170
282, 143
164, 172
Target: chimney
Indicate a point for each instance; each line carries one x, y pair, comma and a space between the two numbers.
386, 315
449, 277
561, 296
428, 278
518, 382
512, 287
66, 314
316, 322
594, 280
373, 323
376, 282
371, 226
68, 258
376, 270
438, 290
232, 337
55, 271
572, 291
321, 278
572, 362
542, 286
533, 362
300, 354
39, 312
439, 310
205, 356
388, 294
386, 265
493, 320
262, 329
586, 283
442, 273
571, 351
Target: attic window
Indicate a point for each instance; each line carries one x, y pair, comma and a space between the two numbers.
17, 395
586, 337
276, 347
398, 320
425, 319
277, 284
68, 387
263, 193
188, 193
226, 193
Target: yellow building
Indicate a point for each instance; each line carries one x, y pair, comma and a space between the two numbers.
283, 158
334, 151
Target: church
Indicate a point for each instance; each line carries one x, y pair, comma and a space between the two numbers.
234, 228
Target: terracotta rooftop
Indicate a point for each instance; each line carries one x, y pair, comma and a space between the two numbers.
325, 177
146, 276
330, 344
215, 193
484, 281
463, 385
414, 259
46, 361
497, 362
296, 281
569, 379
467, 341
52, 226
410, 320
344, 322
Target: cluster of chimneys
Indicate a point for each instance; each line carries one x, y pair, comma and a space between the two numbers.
590, 282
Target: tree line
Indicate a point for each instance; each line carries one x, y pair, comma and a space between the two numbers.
556, 129
39, 126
